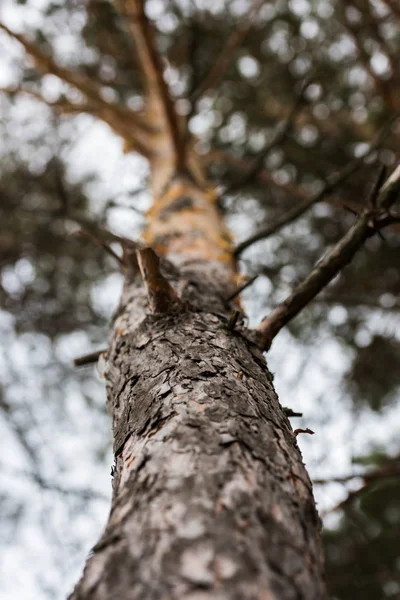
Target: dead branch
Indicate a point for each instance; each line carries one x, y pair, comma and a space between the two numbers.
334, 181
289, 412
225, 57
297, 431
152, 73
233, 319
162, 296
102, 244
373, 218
63, 106
124, 121
88, 359
242, 287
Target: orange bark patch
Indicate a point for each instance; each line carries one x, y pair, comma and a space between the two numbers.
185, 221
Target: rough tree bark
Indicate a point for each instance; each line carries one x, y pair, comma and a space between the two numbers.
210, 495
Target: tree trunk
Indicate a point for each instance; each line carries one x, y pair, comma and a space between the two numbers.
210, 496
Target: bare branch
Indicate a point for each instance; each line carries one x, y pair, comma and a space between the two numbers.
297, 431
224, 59
61, 106
124, 121
162, 296
101, 244
289, 412
242, 287
88, 359
152, 72
332, 183
371, 219
233, 319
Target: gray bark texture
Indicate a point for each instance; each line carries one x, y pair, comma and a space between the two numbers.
211, 499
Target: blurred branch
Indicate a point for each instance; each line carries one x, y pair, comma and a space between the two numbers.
386, 87
342, 125
387, 472
101, 243
33, 457
124, 121
266, 177
374, 217
152, 72
281, 133
226, 56
333, 181
44, 484
349, 302
63, 106
391, 470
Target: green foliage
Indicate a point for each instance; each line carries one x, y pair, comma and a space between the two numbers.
47, 275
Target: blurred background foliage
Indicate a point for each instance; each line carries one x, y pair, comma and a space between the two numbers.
337, 63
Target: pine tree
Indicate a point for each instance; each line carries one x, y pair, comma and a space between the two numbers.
210, 495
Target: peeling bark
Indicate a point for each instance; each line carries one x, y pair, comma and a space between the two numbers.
211, 499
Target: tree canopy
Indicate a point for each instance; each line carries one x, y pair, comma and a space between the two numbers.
293, 106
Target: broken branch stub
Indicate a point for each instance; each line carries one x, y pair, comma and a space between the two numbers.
162, 296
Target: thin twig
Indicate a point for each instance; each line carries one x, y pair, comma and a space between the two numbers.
88, 359
101, 244
233, 319
332, 183
370, 220
289, 412
244, 286
299, 430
